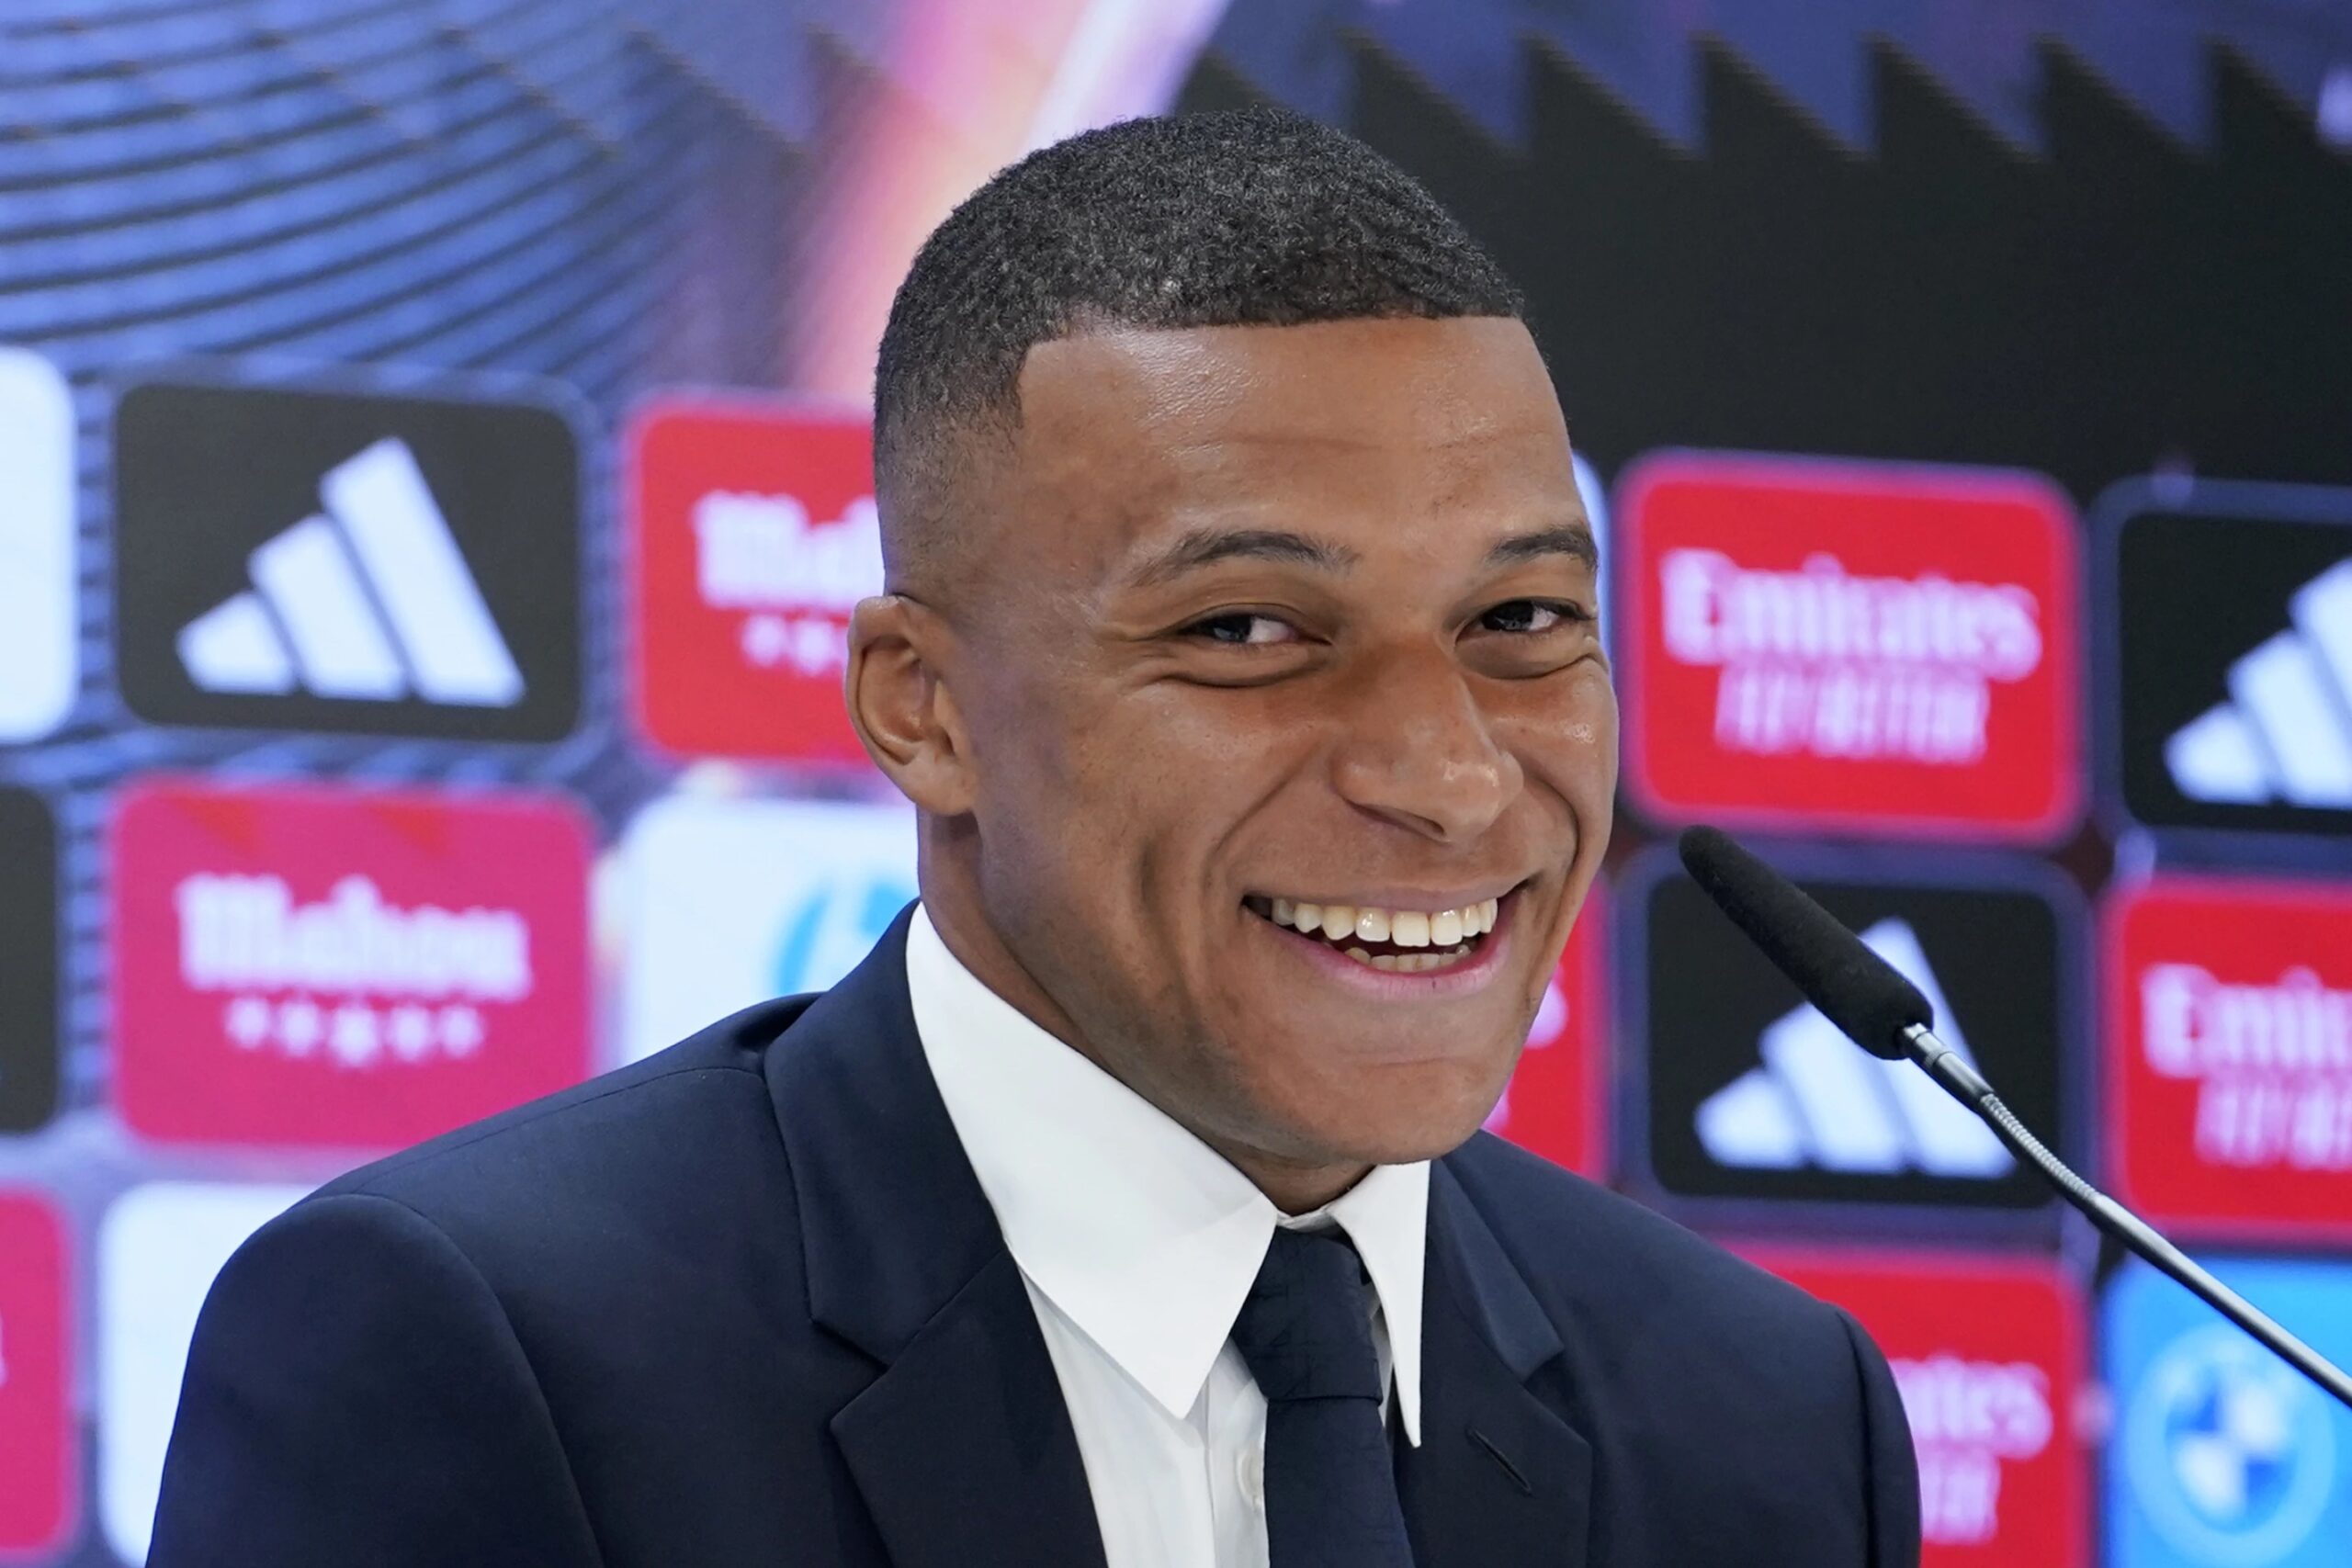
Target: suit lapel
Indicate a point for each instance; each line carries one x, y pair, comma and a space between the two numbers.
961, 1446
1500, 1479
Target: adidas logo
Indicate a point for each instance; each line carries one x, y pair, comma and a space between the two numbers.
368, 600
1820, 1101
2286, 732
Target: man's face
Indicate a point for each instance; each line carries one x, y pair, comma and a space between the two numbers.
1275, 623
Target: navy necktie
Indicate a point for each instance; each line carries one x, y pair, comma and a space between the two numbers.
1306, 1331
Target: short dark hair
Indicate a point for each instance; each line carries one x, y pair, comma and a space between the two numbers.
1247, 218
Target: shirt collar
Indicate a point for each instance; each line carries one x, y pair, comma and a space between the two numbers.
1143, 1235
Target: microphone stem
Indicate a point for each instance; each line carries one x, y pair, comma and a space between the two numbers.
1967, 1086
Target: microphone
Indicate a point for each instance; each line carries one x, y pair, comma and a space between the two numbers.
1885, 1015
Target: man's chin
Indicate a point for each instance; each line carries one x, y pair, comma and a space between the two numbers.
1393, 1115
1320, 1047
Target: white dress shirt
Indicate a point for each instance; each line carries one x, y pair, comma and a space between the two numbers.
1138, 1243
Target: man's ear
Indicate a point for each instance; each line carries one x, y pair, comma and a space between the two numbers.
900, 705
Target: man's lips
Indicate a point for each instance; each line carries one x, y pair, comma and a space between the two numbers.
1434, 956
1443, 926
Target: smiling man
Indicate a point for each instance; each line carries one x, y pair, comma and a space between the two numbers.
1126, 1207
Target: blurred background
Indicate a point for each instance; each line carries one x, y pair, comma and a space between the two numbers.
434, 476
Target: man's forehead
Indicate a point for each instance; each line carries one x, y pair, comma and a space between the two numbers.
1363, 434
1434, 382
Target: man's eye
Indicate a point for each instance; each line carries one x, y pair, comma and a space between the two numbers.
1529, 618
1243, 629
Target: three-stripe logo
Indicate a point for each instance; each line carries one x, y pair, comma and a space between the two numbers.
366, 600
1819, 1100
1738, 1092
2285, 734
2226, 690
350, 562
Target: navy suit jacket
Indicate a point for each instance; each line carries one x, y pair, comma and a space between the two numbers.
743, 1302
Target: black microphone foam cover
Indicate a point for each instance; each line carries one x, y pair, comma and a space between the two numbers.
1856, 990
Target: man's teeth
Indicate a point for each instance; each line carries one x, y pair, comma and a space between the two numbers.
1404, 927
1403, 963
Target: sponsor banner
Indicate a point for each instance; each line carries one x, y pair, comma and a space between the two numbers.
328, 967
30, 1021
2229, 1055
37, 1451
754, 536
304, 559
1987, 1353
2222, 1455
160, 1247
1749, 1093
1553, 1104
735, 900
1845, 644
39, 596
2227, 690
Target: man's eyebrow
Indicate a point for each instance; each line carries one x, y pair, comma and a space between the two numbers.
1207, 547
1561, 539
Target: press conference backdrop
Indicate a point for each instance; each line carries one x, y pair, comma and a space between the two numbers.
434, 479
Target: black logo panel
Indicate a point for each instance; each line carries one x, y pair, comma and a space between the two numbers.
29, 989
2232, 655
297, 559
1752, 1094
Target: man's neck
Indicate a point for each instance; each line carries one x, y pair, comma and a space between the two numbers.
1294, 1186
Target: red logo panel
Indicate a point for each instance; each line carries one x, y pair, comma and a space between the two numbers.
1988, 1356
2229, 1055
36, 1478
339, 967
1553, 1102
1851, 645
755, 535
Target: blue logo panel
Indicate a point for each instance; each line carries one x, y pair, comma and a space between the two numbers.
2223, 1456
825, 937
737, 899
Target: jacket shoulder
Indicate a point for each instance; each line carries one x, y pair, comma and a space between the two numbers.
631, 1138
590, 1308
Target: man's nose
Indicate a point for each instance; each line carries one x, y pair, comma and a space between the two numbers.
1416, 749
